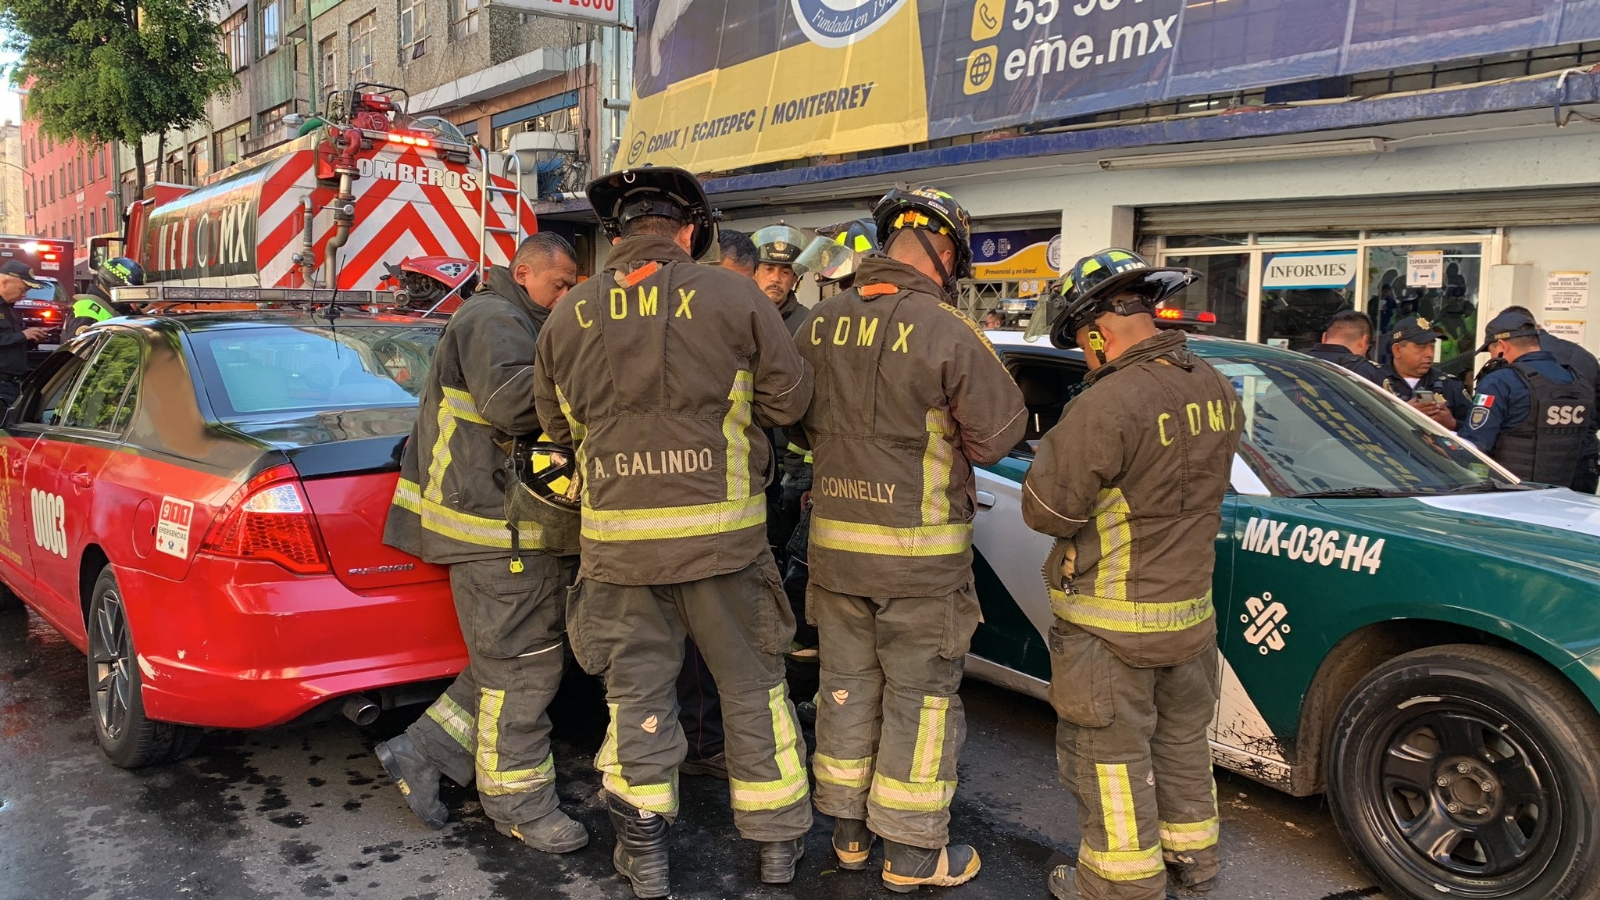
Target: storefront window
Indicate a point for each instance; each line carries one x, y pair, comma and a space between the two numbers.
1207, 240
1224, 289
1438, 283
1301, 291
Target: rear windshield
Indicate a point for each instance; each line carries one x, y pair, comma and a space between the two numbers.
263, 370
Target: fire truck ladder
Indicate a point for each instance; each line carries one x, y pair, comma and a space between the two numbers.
490, 188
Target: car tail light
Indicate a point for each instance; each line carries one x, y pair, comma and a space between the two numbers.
269, 519
47, 314
1207, 318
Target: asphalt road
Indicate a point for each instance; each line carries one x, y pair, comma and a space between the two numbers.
306, 811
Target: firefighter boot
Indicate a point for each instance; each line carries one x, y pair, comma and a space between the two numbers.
852, 842
906, 868
553, 832
417, 779
641, 854
1064, 883
1190, 872
779, 858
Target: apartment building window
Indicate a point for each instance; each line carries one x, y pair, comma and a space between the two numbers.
230, 143
561, 121
328, 54
51, 183
174, 168
363, 33
270, 23
199, 161
413, 29
102, 156
236, 38
84, 172
271, 123
464, 17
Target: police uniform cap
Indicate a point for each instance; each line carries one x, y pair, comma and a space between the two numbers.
1506, 326
1415, 329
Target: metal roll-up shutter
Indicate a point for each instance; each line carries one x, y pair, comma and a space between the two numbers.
1390, 212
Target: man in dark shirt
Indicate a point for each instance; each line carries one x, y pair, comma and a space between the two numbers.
1412, 376
1587, 367
1530, 414
1347, 342
15, 339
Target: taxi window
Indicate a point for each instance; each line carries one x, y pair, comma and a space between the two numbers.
1047, 387
95, 406
47, 407
1311, 429
278, 369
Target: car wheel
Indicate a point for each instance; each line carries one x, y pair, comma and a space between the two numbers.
115, 697
9, 601
1469, 771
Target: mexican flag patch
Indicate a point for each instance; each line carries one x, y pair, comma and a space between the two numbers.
1484, 400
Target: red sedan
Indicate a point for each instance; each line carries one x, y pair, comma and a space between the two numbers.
197, 502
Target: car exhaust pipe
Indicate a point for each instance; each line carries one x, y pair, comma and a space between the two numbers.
360, 709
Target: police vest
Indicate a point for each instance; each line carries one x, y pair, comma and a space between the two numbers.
87, 307
1545, 446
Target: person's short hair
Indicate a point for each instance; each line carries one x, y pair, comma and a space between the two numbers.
1520, 310
737, 248
1350, 323
660, 226
1525, 343
545, 246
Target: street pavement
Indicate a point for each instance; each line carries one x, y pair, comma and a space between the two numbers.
307, 811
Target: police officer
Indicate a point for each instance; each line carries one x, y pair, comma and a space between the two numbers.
1134, 645
777, 248
1530, 414
1347, 342
15, 339
1587, 368
1411, 375
96, 306
663, 373
506, 574
910, 396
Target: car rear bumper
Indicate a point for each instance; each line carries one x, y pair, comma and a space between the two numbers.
247, 645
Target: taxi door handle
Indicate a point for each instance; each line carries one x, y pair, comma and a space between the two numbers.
985, 499
81, 480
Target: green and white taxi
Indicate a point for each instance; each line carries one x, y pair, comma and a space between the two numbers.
1403, 625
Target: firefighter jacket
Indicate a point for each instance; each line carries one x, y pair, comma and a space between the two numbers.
450, 504
663, 373
794, 461
910, 395
1131, 482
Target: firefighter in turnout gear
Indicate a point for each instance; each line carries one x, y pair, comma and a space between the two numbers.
662, 374
455, 505
96, 306
910, 396
1130, 483
777, 248
1530, 413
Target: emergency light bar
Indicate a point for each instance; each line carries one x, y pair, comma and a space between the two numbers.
160, 293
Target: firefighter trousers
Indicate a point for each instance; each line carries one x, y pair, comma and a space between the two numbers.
889, 721
1131, 746
633, 636
490, 725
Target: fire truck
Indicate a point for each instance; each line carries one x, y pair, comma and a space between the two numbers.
336, 207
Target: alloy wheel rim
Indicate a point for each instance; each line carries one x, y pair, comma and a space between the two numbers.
112, 666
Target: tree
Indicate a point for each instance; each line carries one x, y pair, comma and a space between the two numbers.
99, 71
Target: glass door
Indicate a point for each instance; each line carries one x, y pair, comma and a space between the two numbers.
1301, 291
1438, 282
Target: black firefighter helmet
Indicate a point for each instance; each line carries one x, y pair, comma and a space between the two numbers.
931, 209
1111, 281
623, 196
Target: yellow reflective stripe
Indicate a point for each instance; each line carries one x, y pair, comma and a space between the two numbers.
455, 721
735, 431
1129, 617
929, 751
465, 527
790, 786
886, 540
659, 523
656, 798
1116, 807
912, 796
462, 406
850, 773
491, 780
801, 451
579, 432
1116, 545
937, 461
1190, 835
1122, 865
439, 456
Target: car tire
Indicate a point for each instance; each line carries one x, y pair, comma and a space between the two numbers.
9, 601
116, 701
1469, 771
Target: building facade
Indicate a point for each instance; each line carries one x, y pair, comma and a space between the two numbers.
13, 175
69, 190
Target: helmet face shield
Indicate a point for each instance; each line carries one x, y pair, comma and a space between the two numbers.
779, 244
827, 259
1046, 310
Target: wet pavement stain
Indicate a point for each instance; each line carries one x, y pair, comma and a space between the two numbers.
253, 816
